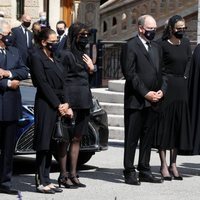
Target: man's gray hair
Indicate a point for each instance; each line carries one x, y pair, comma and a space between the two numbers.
141, 19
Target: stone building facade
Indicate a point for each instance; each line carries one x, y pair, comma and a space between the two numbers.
118, 20
86, 11
115, 20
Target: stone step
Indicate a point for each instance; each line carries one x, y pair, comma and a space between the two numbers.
116, 120
104, 95
116, 132
113, 108
116, 85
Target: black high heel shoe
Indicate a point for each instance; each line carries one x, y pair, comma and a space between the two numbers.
76, 182
178, 178
165, 178
65, 181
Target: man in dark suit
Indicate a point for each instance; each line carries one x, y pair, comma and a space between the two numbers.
23, 38
144, 87
61, 29
12, 71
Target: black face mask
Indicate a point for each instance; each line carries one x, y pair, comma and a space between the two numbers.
150, 34
60, 32
179, 34
26, 24
83, 41
8, 40
52, 47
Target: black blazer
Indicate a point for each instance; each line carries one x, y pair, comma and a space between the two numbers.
62, 43
10, 100
21, 43
48, 78
141, 74
77, 80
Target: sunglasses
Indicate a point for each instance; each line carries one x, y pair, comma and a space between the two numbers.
181, 29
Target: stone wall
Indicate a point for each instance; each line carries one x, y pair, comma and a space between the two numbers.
118, 21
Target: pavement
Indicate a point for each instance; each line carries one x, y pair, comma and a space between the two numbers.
103, 175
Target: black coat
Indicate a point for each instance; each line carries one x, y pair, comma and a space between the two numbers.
21, 43
76, 75
48, 78
10, 100
62, 43
141, 74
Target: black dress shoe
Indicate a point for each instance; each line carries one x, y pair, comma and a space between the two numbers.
149, 177
7, 190
131, 179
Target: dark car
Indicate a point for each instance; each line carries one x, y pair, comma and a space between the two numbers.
96, 140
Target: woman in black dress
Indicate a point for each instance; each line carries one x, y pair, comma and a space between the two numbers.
173, 124
77, 67
47, 76
194, 99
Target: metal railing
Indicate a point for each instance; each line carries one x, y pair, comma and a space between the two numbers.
108, 60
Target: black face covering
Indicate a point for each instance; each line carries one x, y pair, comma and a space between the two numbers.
52, 47
150, 34
26, 24
83, 41
60, 32
8, 40
179, 34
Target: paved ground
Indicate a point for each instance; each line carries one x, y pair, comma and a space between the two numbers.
104, 180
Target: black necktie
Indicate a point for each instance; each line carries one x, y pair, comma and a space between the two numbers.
150, 51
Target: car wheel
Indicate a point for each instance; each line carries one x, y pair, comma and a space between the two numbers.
84, 157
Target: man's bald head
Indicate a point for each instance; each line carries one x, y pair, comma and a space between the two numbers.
26, 18
147, 27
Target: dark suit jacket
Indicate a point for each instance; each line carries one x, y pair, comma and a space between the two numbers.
21, 43
62, 43
10, 100
48, 78
141, 74
77, 80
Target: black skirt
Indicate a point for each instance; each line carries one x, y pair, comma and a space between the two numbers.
172, 125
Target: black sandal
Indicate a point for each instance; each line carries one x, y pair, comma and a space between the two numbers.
76, 182
65, 181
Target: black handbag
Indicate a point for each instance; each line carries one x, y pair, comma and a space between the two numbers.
63, 129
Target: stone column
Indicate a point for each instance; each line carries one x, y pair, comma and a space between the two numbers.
54, 13
198, 23
76, 10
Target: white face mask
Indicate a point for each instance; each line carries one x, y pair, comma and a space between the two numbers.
43, 18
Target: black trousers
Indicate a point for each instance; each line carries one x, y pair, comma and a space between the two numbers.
137, 127
7, 143
43, 162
